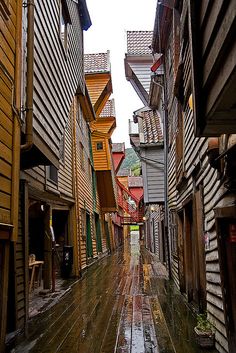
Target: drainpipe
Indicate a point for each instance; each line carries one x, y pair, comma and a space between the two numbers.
165, 128
29, 78
166, 174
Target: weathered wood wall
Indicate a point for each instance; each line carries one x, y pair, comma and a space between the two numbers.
192, 173
217, 50
57, 71
10, 53
84, 183
154, 174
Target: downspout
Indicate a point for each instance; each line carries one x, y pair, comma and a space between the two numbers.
16, 105
166, 225
165, 126
29, 78
166, 178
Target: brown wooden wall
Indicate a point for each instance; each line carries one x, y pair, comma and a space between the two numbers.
10, 26
216, 50
187, 175
57, 72
84, 181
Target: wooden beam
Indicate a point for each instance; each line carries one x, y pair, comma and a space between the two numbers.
4, 274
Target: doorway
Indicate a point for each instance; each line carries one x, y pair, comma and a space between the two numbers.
60, 228
89, 244
98, 233
226, 233
36, 230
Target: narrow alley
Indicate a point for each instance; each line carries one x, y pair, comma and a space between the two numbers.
124, 304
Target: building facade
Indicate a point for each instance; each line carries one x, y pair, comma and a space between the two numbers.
201, 196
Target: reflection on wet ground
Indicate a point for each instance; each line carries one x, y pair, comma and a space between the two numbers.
124, 304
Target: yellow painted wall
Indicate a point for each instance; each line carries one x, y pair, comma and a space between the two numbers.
96, 84
100, 157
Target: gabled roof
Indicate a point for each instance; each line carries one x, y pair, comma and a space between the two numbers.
138, 62
98, 79
98, 62
139, 42
150, 129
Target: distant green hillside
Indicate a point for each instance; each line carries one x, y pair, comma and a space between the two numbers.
131, 161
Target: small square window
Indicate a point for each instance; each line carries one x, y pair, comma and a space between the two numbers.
82, 156
64, 21
99, 146
52, 174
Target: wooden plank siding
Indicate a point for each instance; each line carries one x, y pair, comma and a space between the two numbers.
57, 72
84, 184
196, 175
8, 25
10, 104
154, 172
65, 175
96, 84
20, 259
213, 53
100, 157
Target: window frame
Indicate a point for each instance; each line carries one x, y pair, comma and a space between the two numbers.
82, 157
64, 17
52, 174
99, 149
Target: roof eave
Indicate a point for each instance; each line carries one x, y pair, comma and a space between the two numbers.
84, 14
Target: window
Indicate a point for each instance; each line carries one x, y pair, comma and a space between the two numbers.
82, 156
179, 145
52, 173
62, 148
176, 41
89, 170
63, 24
173, 232
83, 223
79, 115
99, 146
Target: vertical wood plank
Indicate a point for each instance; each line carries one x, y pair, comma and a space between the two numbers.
4, 272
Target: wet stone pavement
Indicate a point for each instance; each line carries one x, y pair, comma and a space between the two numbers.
124, 304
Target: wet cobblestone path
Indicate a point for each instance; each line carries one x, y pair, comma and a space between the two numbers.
124, 304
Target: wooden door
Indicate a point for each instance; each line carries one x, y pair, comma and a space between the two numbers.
199, 246
98, 233
107, 236
188, 252
89, 244
227, 255
181, 254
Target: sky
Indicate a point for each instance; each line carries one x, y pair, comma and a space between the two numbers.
111, 19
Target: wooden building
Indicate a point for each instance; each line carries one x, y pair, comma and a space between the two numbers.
149, 148
99, 83
198, 52
146, 137
120, 230
135, 186
118, 155
10, 105
52, 76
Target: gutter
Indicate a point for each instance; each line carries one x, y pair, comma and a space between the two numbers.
29, 80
